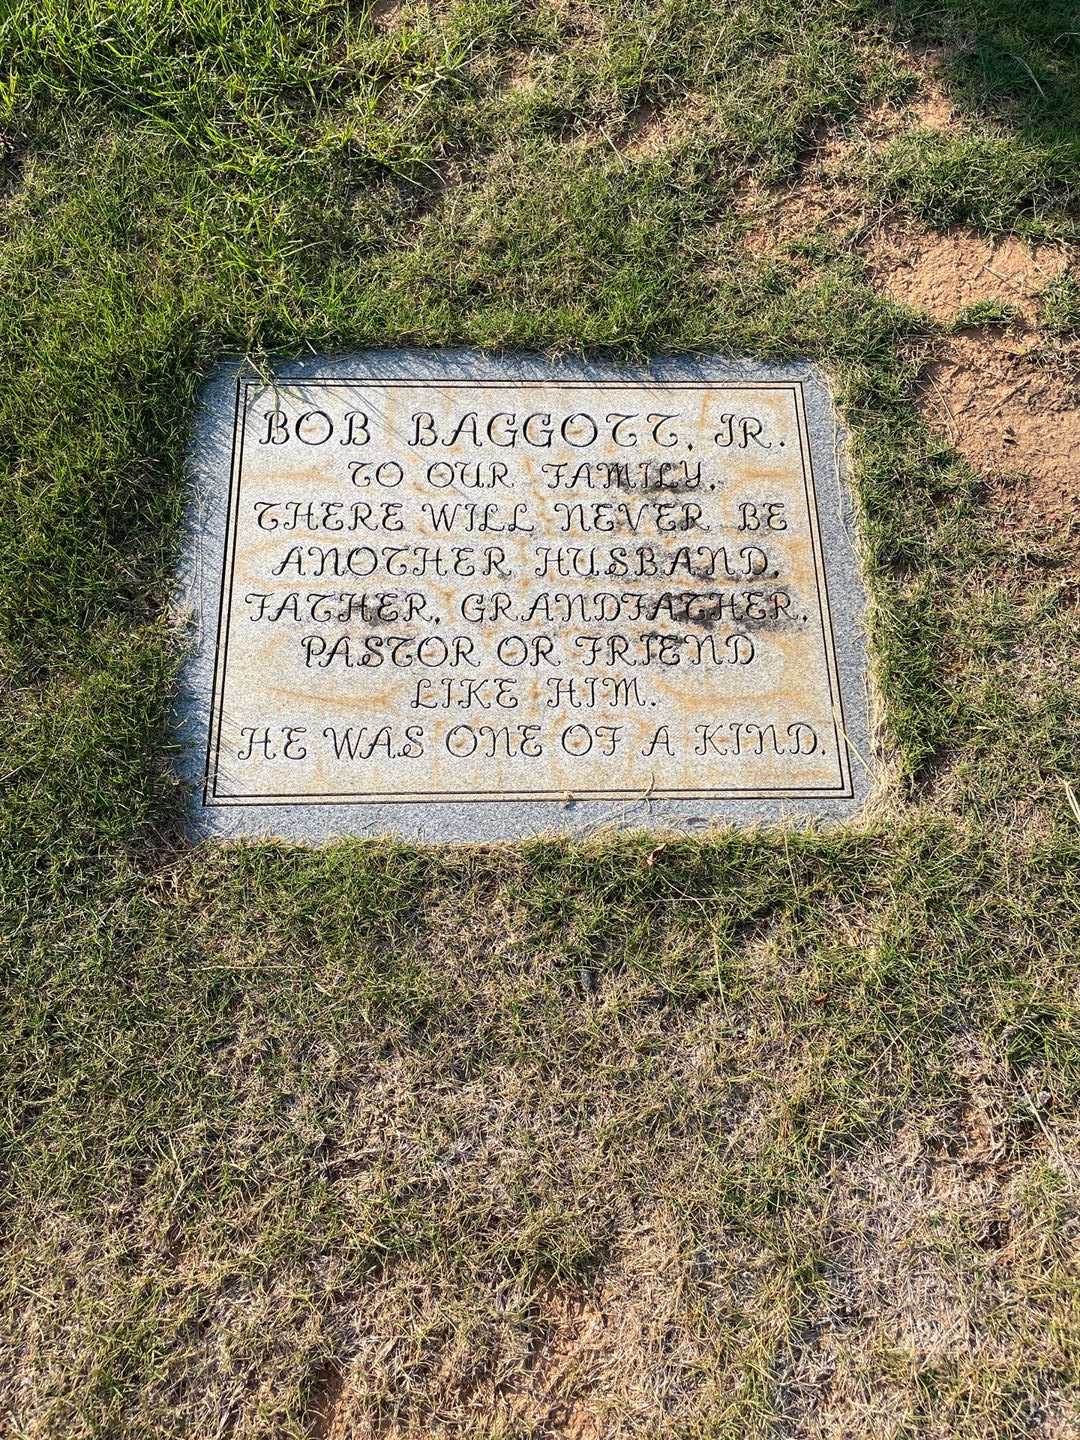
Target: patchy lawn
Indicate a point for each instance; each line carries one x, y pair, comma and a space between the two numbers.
752, 1135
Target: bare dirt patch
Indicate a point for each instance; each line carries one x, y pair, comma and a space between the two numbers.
827, 192
579, 19
932, 111
1011, 409
556, 1393
822, 195
643, 133
931, 108
1007, 401
519, 74
650, 129
1004, 399
945, 273
384, 14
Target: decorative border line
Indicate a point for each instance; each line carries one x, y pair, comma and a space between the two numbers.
212, 800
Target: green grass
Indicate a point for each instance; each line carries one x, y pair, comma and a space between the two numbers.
762, 1134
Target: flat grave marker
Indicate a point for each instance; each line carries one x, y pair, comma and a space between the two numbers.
450, 596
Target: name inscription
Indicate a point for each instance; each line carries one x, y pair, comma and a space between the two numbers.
479, 590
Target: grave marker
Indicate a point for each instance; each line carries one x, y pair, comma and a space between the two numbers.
455, 597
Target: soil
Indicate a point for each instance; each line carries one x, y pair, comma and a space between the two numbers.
554, 1361
1010, 408
1005, 399
943, 274
384, 14
553, 1387
825, 193
651, 129
643, 133
820, 197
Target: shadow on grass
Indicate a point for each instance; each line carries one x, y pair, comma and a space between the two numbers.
1017, 59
